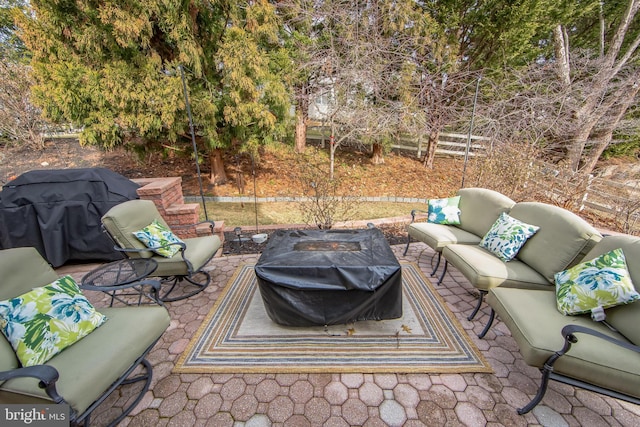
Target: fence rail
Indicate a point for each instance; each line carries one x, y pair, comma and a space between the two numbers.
618, 201
454, 144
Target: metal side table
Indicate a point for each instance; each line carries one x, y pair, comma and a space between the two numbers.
125, 278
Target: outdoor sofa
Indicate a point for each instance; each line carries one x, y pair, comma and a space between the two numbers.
478, 210
602, 356
561, 240
85, 373
526, 293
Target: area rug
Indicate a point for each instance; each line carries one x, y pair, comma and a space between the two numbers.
237, 336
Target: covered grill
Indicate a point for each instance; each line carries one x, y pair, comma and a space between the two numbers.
58, 212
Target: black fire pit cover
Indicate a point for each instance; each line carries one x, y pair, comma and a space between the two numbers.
324, 277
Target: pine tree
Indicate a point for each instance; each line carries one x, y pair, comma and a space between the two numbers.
113, 69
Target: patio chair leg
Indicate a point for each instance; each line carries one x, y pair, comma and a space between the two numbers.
488, 325
198, 286
444, 271
433, 273
407, 247
547, 370
477, 308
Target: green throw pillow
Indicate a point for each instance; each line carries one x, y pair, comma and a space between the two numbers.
444, 211
601, 282
41, 323
507, 236
156, 235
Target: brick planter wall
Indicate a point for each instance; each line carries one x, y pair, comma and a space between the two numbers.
167, 195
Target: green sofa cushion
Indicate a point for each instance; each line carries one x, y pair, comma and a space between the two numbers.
479, 209
485, 271
438, 236
444, 211
46, 320
507, 236
535, 324
561, 242
91, 365
159, 236
597, 284
23, 268
199, 251
126, 218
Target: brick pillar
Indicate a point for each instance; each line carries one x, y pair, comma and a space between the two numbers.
166, 194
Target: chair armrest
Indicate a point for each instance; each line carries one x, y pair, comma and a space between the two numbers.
569, 331
414, 212
136, 250
208, 222
48, 375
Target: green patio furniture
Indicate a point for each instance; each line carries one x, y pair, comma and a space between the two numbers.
181, 262
87, 371
479, 208
601, 356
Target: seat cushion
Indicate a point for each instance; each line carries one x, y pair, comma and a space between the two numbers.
199, 251
90, 366
485, 271
561, 242
438, 236
535, 324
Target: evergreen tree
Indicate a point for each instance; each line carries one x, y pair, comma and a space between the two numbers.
113, 69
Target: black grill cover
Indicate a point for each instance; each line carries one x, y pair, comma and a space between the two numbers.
58, 212
326, 277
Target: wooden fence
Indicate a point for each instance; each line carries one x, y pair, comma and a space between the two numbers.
617, 200
453, 144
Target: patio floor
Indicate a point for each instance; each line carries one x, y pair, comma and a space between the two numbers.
354, 399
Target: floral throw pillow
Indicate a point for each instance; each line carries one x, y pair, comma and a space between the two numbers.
601, 282
507, 236
41, 323
157, 234
444, 211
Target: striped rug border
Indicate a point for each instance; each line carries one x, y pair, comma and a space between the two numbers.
441, 346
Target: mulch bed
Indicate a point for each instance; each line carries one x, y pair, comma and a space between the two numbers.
396, 234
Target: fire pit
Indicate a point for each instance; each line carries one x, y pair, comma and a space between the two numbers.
326, 277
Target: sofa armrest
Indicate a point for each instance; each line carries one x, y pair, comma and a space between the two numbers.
48, 375
569, 331
414, 212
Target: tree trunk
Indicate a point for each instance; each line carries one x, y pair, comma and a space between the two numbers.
218, 175
332, 155
561, 48
603, 101
301, 131
377, 158
302, 115
432, 144
601, 138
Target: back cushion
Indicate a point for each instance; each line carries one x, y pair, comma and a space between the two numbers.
562, 240
123, 219
479, 209
21, 269
625, 318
